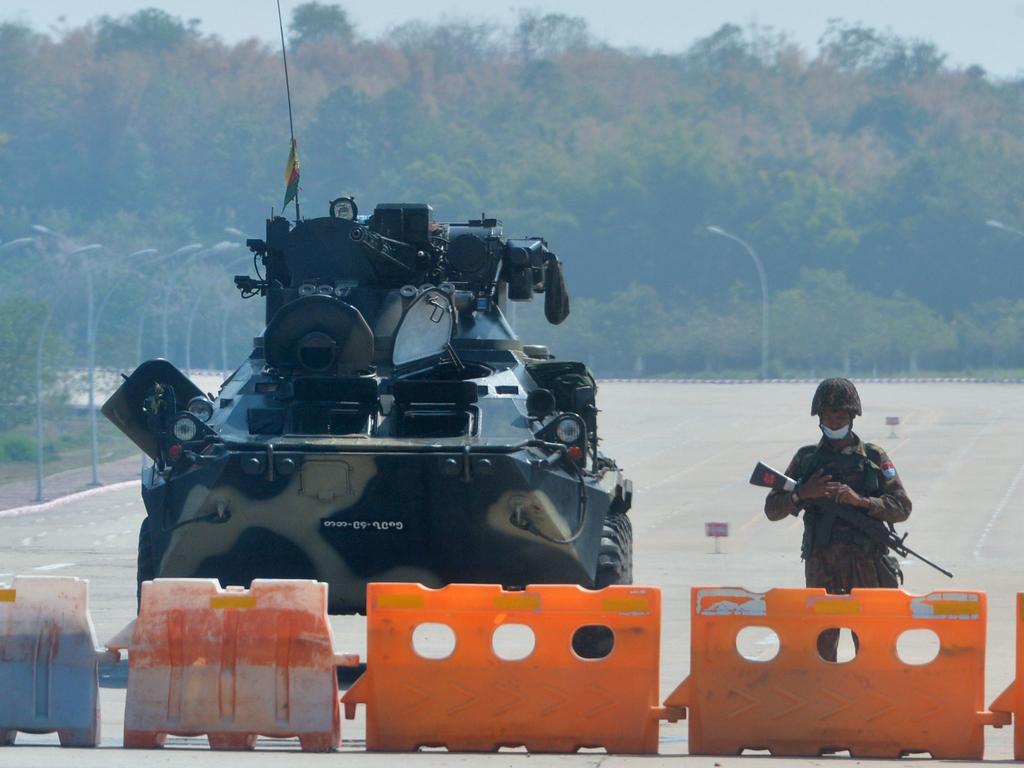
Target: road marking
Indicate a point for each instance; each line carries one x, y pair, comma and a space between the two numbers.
998, 510
52, 566
759, 437
947, 470
750, 522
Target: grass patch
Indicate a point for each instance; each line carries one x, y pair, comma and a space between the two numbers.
67, 442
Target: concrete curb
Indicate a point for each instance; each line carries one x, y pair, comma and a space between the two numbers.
45, 506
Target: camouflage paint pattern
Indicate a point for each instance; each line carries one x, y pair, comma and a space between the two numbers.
380, 429
352, 518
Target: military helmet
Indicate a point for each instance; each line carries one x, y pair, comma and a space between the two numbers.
836, 393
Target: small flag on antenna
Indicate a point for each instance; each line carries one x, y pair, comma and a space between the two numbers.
291, 175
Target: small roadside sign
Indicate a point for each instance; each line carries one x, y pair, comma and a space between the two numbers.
716, 531
892, 422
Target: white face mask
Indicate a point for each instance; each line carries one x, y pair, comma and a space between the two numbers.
835, 434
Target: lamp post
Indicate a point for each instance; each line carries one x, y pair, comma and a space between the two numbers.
225, 313
196, 250
90, 337
93, 316
220, 247
188, 332
764, 292
191, 248
44, 326
39, 402
90, 328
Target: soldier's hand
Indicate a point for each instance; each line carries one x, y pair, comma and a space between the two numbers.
815, 487
844, 494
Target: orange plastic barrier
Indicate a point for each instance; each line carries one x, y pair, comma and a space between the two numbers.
1011, 701
550, 701
232, 664
798, 704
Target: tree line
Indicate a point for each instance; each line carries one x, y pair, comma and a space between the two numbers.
863, 172
821, 325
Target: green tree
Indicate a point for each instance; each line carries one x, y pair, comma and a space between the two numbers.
319, 21
545, 36
149, 29
21, 321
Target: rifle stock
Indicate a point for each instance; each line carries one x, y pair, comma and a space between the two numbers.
766, 477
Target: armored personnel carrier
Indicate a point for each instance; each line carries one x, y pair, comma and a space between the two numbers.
388, 424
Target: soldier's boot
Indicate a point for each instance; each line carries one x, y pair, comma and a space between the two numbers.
828, 644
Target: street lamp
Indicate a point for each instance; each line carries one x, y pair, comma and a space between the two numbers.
90, 329
188, 331
236, 232
39, 372
219, 247
90, 336
17, 243
191, 248
226, 312
764, 292
995, 224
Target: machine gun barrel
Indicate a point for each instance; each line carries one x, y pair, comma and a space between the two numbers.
766, 477
381, 246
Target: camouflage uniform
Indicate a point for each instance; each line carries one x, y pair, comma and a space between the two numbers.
837, 556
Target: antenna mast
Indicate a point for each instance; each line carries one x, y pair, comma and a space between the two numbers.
288, 91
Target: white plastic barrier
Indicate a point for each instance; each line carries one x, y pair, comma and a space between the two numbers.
49, 661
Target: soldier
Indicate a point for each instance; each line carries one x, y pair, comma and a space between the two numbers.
842, 470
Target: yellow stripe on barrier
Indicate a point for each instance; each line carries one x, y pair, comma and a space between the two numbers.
556, 702
954, 608
517, 603
796, 706
626, 605
233, 601
8, 595
833, 607
400, 601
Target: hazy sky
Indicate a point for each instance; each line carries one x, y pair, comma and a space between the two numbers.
986, 32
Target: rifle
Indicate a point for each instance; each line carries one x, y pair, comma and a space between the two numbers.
880, 533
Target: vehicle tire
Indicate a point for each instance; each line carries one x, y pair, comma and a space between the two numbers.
615, 559
145, 569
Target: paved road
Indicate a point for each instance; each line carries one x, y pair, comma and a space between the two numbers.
689, 449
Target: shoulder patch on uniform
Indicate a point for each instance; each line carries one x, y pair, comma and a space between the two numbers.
889, 470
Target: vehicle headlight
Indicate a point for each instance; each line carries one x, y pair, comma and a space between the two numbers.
184, 429
568, 430
201, 408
